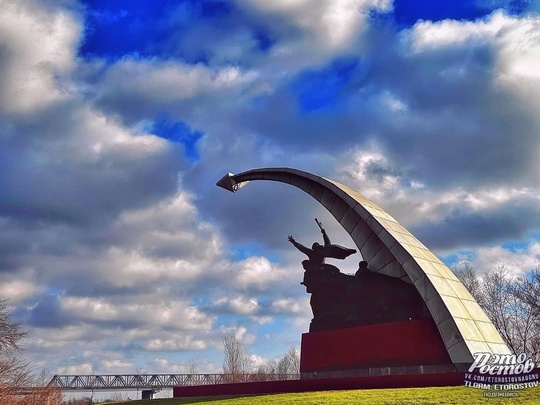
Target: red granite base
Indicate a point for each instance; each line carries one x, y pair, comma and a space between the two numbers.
395, 344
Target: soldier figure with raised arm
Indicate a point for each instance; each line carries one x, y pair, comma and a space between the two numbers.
317, 254
326, 284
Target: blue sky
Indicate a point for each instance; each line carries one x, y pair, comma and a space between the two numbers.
118, 117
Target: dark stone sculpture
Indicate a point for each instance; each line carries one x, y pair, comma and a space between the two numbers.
341, 300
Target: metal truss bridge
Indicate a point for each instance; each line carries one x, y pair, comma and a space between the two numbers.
156, 381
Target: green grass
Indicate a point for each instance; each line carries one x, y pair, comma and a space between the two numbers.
402, 396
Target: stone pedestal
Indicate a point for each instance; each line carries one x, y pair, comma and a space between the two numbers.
406, 347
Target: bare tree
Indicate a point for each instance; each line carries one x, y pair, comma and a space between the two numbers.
268, 367
18, 384
264, 370
192, 367
11, 333
293, 356
496, 301
528, 289
283, 368
468, 277
237, 361
513, 317
14, 372
289, 363
512, 305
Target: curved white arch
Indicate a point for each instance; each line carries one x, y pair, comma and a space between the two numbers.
391, 249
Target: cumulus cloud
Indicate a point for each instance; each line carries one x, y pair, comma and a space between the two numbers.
452, 218
161, 365
117, 366
17, 290
76, 369
236, 305
518, 260
316, 31
185, 343
287, 306
492, 137
39, 43
156, 86
256, 271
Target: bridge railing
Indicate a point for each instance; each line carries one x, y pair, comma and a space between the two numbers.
151, 381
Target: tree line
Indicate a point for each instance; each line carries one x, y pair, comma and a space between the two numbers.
237, 363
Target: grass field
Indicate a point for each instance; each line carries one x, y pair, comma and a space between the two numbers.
439, 395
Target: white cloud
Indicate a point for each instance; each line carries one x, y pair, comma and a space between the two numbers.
256, 272
516, 262
181, 343
404, 195
312, 32
238, 304
245, 337
515, 42
164, 365
429, 35
173, 86
240, 332
161, 365
262, 320
77, 369
17, 291
289, 306
330, 24
451, 217
40, 44
518, 66
171, 81
172, 314
257, 361
117, 366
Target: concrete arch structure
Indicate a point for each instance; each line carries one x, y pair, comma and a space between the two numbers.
392, 250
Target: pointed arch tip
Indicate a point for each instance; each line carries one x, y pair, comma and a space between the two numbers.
229, 183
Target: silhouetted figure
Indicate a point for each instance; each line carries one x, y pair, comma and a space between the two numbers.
324, 281
362, 268
317, 254
384, 298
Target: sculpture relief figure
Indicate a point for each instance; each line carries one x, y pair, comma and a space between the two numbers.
341, 300
324, 281
317, 254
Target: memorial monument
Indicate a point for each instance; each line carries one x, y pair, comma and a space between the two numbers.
403, 312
